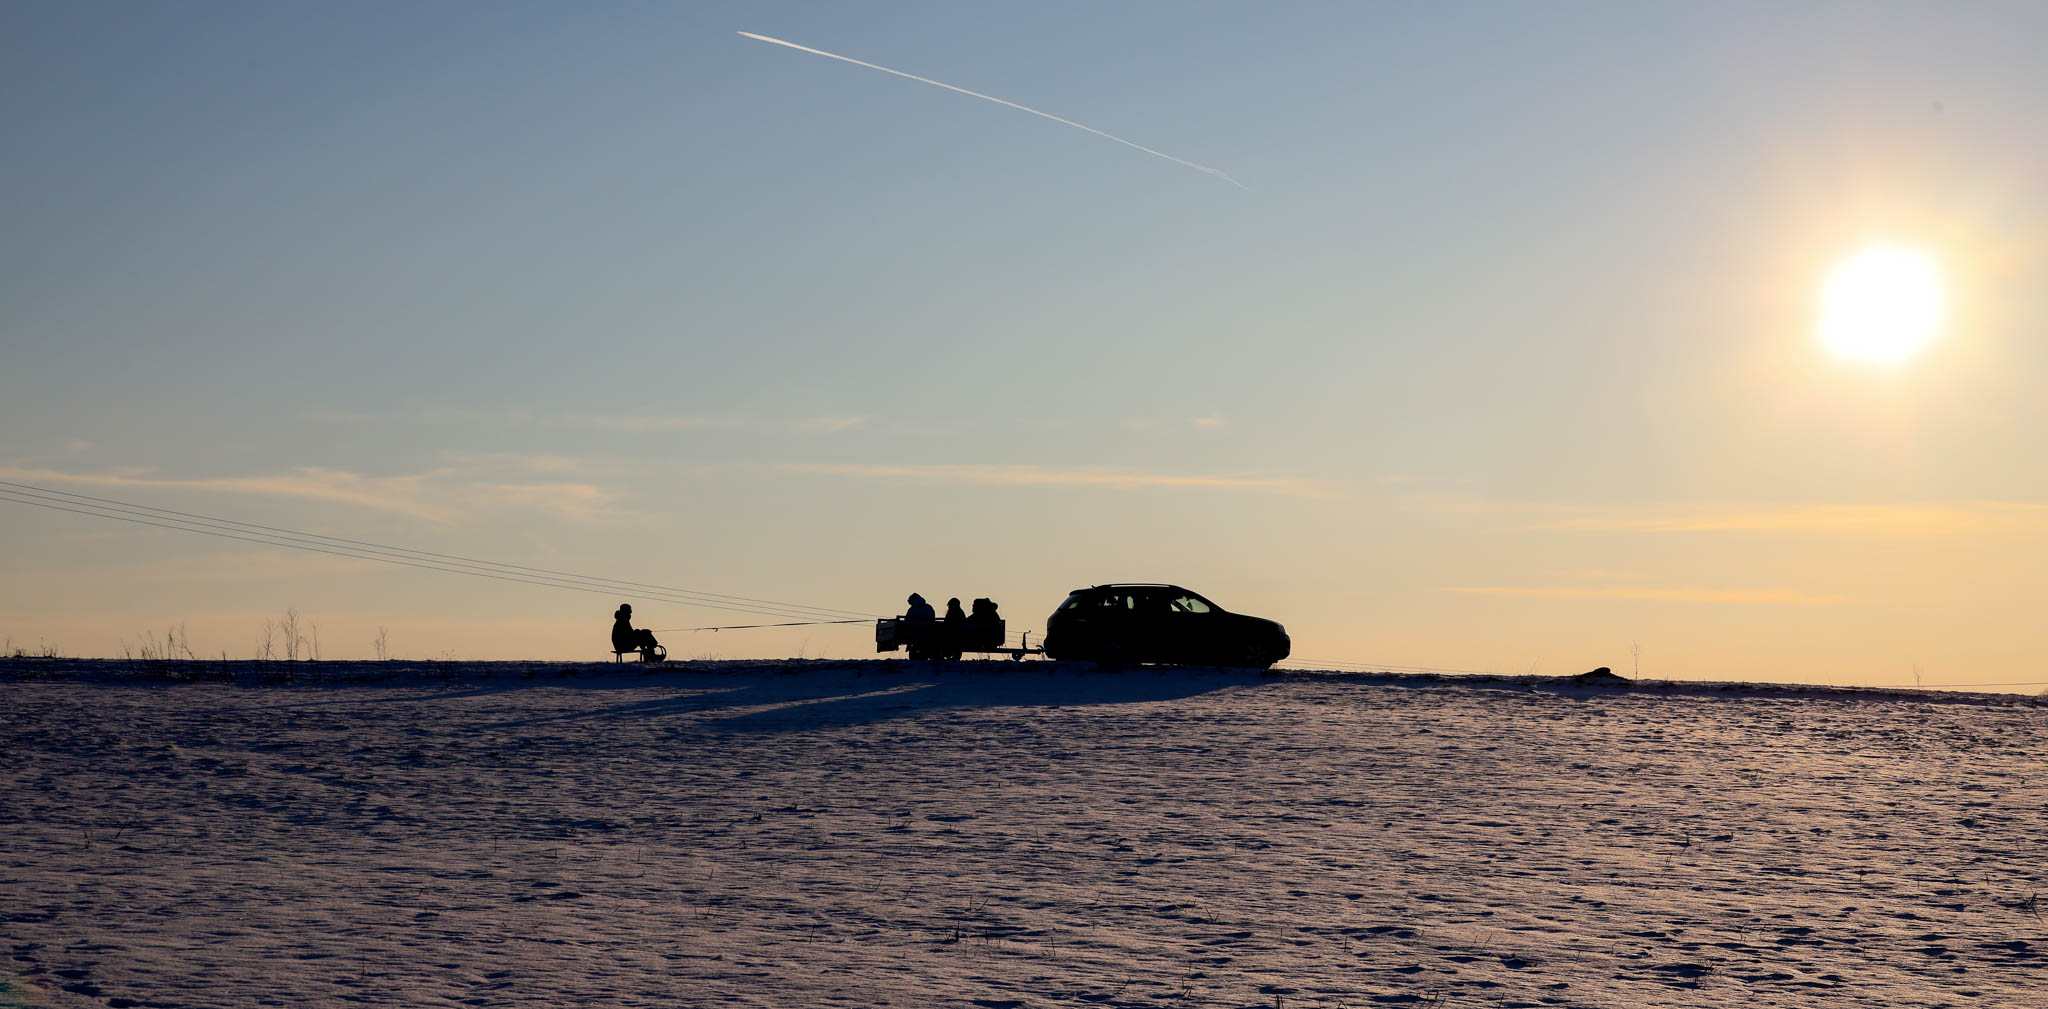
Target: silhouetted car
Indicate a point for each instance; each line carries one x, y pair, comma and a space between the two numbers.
1159, 623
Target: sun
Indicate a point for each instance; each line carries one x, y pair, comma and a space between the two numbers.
1881, 304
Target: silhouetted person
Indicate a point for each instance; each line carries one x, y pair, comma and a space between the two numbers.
953, 610
626, 639
919, 609
984, 609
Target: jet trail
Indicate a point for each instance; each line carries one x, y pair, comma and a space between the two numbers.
998, 101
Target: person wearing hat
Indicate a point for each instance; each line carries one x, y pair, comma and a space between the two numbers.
626, 639
919, 609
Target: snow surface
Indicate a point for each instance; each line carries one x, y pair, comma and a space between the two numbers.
996, 834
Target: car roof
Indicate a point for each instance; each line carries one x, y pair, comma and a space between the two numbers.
1132, 585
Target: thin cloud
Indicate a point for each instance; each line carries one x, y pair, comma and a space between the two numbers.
642, 424
498, 420
991, 98
254, 566
434, 415
440, 495
530, 462
1208, 423
357, 418
1944, 519
1457, 503
570, 500
828, 425
1725, 597
1002, 475
646, 424
400, 494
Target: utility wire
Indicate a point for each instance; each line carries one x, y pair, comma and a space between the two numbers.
337, 546
426, 560
359, 550
370, 557
264, 535
749, 627
345, 543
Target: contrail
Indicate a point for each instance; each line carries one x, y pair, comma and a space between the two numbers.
998, 101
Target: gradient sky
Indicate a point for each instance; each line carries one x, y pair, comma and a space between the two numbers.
1502, 358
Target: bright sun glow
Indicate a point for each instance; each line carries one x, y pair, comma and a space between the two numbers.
1881, 304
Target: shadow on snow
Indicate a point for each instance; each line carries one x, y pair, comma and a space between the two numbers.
844, 698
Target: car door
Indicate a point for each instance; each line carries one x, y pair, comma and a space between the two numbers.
1196, 626
1098, 624
1152, 634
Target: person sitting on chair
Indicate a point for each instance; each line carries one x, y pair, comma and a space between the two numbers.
626, 639
919, 609
953, 610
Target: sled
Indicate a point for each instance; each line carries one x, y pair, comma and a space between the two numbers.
947, 639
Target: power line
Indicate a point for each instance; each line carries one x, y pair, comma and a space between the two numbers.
372, 557
121, 511
319, 539
427, 560
750, 627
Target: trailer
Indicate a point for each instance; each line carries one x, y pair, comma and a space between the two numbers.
948, 639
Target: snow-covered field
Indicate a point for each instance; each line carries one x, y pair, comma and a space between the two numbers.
869, 833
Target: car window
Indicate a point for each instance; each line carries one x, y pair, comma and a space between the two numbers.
1189, 604
1154, 601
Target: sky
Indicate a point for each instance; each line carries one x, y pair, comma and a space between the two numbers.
1501, 355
